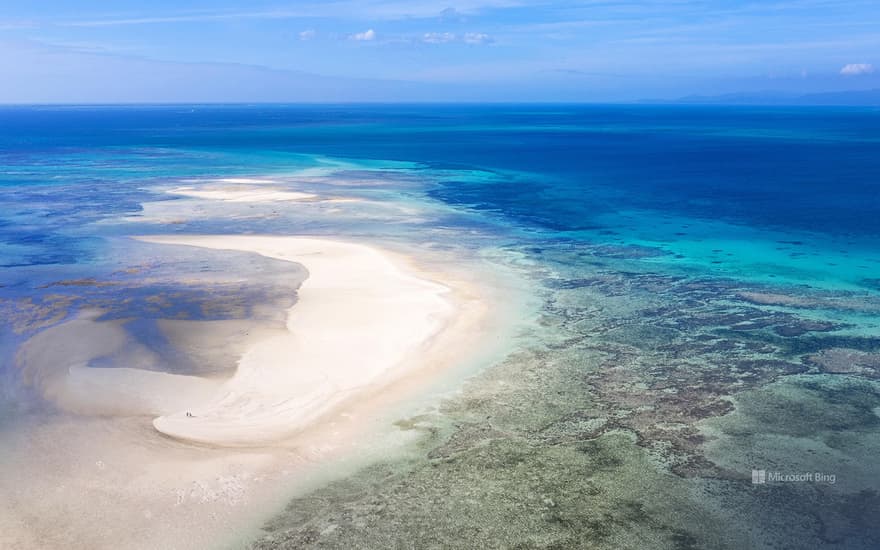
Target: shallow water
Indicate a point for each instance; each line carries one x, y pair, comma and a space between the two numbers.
707, 280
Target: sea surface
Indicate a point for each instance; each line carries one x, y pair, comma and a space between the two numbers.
708, 281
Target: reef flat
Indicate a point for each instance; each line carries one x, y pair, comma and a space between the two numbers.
633, 417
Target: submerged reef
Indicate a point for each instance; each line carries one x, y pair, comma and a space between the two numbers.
166, 315
193, 286
631, 415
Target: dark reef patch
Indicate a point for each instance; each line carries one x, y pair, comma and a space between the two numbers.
846, 361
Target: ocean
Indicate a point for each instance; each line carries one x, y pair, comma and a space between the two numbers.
707, 281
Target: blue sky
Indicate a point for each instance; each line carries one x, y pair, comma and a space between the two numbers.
505, 50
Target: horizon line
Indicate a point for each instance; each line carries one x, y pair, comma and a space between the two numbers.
683, 102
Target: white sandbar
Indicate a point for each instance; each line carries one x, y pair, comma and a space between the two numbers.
360, 316
243, 194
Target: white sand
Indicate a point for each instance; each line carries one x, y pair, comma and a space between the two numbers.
358, 317
242, 194
246, 180
231, 180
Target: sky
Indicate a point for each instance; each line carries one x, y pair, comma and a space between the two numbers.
94, 51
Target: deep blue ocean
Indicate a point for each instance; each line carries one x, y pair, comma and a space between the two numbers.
727, 189
708, 280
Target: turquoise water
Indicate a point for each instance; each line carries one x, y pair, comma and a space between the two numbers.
725, 190
698, 266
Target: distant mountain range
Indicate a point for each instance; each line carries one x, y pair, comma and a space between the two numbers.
845, 98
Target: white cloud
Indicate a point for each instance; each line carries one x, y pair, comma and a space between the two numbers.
307, 34
438, 37
477, 38
367, 35
856, 69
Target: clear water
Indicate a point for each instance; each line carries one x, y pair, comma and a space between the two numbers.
688, 222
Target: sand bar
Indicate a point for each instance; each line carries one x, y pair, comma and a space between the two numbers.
360, 316
368, 333
242, 194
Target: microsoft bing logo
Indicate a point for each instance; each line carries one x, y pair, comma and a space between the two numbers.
762, 477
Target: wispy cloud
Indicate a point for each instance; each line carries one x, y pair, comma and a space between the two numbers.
308, 34
366, 36
857, 69
477, 38
354, 9
419, 9
438, 37
473, 38
16, 25
180, 18
451, 15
